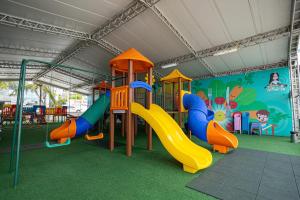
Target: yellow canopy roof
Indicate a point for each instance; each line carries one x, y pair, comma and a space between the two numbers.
140, 62
174, 75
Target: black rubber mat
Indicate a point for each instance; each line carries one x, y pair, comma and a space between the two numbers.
251, 174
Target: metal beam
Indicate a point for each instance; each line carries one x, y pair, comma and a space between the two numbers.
246, 42
5, 64
105, 76
127, 14
109, 47
50, 78
295, 31
282, 63
64, 56
74, 75
157, 74
179, 36
61, 87
16, 65
81, 85
28, 24
131, 11
44, 82
15, 73
293, 63
13, 79
28, 51
33, 25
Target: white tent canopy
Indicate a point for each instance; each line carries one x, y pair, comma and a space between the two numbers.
189, 32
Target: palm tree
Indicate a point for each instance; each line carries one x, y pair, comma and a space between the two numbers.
14, 87
32, 87
35, 88
46, 90
76, 96
61, 101
3, 85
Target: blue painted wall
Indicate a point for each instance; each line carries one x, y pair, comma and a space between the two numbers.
265, 94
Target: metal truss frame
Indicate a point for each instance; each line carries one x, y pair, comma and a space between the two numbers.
131, 11
246, 42
160, 15
282, 63
293, 63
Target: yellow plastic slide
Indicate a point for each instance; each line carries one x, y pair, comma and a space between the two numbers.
192, 156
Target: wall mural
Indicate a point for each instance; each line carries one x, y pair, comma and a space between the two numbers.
264, 94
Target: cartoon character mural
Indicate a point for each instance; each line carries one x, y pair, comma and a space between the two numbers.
266, 99
263, 117
274, 83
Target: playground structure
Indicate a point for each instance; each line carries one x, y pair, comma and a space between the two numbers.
99, 90
39, 113
175, 141
8, 113
15, 149
34, 114
80, 126
129, 65
177, 82
58, 113
205, 101
200, 120
201, 124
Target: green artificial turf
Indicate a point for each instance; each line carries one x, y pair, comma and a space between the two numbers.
88, 170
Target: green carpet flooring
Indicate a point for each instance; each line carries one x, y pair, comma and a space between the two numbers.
88, 170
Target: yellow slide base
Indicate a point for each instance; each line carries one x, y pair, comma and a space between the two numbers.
192, 156
189, 169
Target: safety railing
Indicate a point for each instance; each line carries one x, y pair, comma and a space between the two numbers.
119, 98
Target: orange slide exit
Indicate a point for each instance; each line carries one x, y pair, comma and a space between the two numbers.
221, 139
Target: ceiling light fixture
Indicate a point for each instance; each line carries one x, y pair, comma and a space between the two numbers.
169, 65
226, 51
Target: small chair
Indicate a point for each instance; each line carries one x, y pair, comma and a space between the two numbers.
237, 122
255, 126
245, 122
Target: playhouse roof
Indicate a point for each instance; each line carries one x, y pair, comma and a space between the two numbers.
102, 85
140, 62
174, 75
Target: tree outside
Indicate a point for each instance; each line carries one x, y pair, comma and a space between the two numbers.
51, 96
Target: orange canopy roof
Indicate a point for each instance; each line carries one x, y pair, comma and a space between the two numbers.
140, 62
174, 75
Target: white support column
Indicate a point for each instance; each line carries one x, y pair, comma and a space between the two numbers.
293, 62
